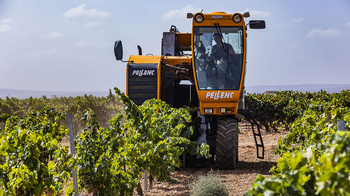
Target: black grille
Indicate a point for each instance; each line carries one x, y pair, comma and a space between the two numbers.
142, 83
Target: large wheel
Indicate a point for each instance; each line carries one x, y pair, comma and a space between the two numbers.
226, 143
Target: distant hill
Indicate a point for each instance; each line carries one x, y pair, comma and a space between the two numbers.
22, 94
330, 88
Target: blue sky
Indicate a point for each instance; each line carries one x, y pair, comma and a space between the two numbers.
67, 45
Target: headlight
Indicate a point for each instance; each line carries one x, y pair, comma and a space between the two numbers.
223, 110
208, 110
199, 18
237, 18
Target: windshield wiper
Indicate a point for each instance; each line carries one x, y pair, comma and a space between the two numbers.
218, 29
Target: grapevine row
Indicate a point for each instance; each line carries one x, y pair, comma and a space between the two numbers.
315, 156
104, 107
109, 159
284, 107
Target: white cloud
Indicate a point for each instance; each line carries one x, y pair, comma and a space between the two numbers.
298, 20
55, 34
324, 33
82, 11
4, 28
94, 24
180, 13
348, 24
40, 53
6, 20
258, 14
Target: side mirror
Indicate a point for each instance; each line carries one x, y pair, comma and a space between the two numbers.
257, 24
118, 50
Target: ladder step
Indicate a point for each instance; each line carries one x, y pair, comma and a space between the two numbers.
248, 115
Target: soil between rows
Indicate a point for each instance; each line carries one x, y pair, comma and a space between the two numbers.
237, 181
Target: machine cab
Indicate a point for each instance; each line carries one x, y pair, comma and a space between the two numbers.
218, 59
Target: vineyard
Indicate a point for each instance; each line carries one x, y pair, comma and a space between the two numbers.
315, 155
116, 141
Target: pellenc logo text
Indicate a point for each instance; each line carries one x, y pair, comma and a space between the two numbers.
219, 95
217, 16
143, 72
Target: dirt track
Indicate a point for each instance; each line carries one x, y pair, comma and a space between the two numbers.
237, 181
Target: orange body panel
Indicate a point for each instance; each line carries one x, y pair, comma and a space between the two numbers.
175, 60
184, 39
231, 107
146, 59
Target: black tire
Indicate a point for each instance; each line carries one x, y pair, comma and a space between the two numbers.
226, 143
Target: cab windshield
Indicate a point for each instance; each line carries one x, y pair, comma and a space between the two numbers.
218, 57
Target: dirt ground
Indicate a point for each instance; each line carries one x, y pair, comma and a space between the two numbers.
237, 181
